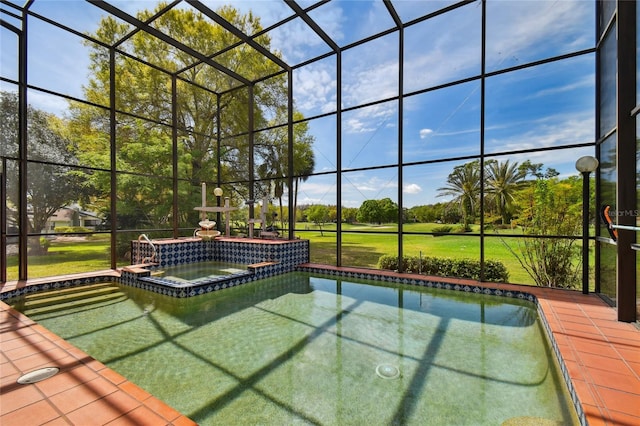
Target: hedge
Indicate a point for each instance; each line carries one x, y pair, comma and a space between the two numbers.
71, 230
494, 271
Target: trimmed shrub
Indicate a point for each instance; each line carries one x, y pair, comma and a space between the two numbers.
462, 229
444, 229
72, 230
494, 271
495, 268
388, 262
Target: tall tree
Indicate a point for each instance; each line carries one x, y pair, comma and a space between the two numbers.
349, 214
370, 212
463, 184
303, 158
318, 214
144, 94
389, 210
503, 180
52, 182
273, 157
378, 211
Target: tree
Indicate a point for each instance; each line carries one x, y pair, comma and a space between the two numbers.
333, 213
503, 180
535, 170
318, 214
144, 94
378, 211
428, 213
369, 212
303, 157
349, 214
274, 166
463, 184
550, 208
389, 210
52, 182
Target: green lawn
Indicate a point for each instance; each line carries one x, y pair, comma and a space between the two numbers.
365, 249
67, 257
358, 249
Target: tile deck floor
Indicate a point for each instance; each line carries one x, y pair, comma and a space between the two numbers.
601, 354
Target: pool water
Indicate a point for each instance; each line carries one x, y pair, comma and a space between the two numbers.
199, 271
307, 349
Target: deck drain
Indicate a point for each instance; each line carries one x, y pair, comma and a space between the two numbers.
38, 375
387, 371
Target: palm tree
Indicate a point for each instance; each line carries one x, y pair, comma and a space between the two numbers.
503, 180
464, 185
274, 167
303, 164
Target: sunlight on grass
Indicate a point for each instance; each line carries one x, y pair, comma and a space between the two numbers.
65, 257
362, 248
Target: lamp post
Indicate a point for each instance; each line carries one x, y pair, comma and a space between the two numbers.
217, 191
585, 165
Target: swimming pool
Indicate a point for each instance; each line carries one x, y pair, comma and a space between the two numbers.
310, 349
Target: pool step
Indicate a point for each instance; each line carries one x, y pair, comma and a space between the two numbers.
67, 290
70, 293
60, 308
71, 298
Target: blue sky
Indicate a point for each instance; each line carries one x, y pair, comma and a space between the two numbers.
551, 105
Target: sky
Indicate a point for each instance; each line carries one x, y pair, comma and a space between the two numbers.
539, 107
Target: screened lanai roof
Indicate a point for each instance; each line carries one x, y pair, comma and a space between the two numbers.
342, 57
311, 28
440, 42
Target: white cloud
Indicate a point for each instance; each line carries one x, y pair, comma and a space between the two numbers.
586, 81
314, 88
269, 12
560, 18
332, 20
424, 133
412, 188
355, 125
317, 191
443, 65
370, 119
460, 132
376, 80
297, 42
372, 186
305, 200
365, 187
547, 132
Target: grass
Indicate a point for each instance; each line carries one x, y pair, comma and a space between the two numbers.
66, 257
364, 249
358, 249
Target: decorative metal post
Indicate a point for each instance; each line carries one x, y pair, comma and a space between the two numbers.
585, 165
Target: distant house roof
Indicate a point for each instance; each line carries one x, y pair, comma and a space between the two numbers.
67, 214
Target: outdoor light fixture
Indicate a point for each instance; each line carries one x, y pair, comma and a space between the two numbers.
218, 192
585, 165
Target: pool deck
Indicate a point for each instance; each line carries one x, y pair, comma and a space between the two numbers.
601, 354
